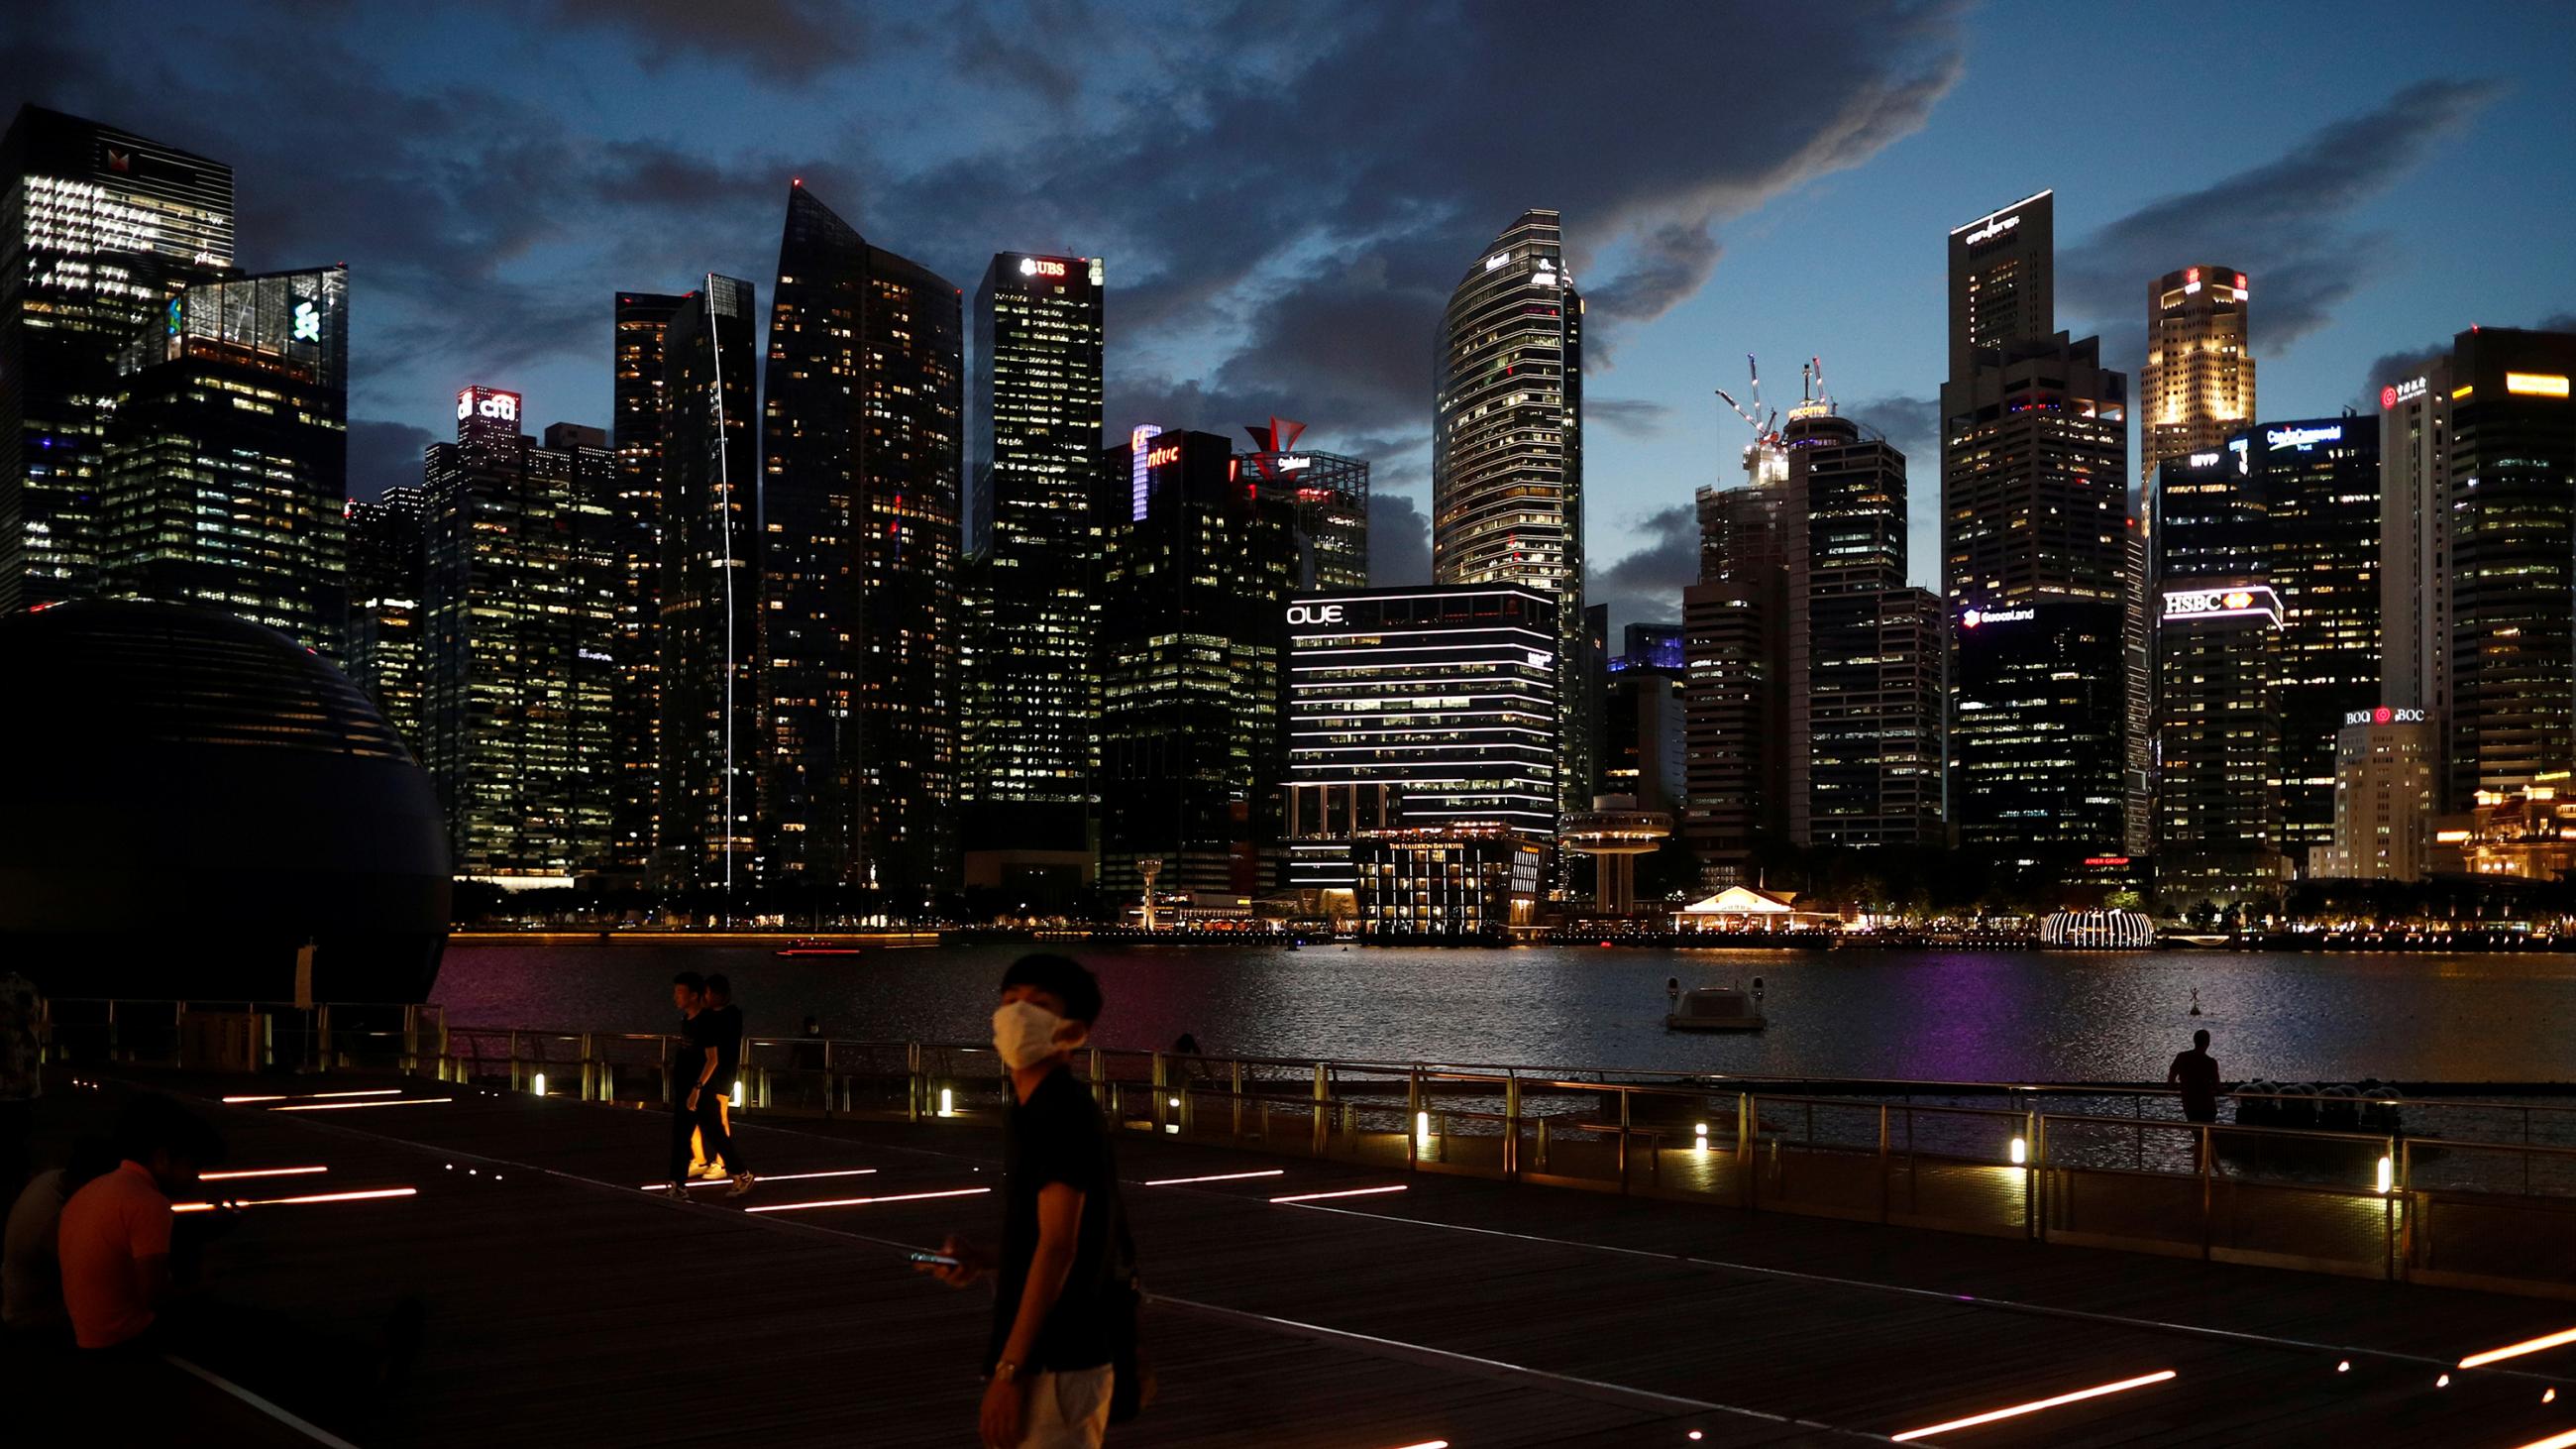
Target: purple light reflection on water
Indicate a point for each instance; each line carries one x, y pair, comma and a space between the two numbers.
1924, 1015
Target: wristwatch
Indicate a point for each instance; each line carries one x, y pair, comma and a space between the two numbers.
1007, 1370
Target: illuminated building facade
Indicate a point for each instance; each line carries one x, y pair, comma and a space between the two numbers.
1432, 707
1644, 750
1446, 884
2528, 832
2415, 544
2198, 382
2388, 761
642, 321
522, 581
1507, 449
705, 675
2218, 733
99, 229
2510, 470
1196, 574
387, 584
2036, 737
1031, 675
1330, 496
1863, 682
224, 475
863, 437
2034, 487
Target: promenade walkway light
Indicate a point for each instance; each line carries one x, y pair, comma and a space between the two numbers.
538, 1086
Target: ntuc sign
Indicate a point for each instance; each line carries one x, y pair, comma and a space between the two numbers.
1314, 613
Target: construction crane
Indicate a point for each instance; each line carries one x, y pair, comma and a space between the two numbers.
1765, 435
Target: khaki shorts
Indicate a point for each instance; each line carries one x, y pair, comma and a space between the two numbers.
1068, 1410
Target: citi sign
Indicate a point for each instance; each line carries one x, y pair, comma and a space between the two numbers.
1314, 613
477, 402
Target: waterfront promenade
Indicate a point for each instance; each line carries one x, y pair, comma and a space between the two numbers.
1421, 1307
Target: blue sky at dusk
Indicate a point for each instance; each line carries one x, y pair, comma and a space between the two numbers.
1285, 193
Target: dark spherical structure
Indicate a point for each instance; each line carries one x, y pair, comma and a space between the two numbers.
190, 799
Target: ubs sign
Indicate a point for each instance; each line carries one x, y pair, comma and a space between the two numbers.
1314, 613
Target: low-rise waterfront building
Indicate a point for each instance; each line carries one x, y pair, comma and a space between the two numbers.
2387, 771
2527, 833
1447, 883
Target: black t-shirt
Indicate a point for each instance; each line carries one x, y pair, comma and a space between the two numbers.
728, 1044
698, 1033
2197, 1073
1057, 1135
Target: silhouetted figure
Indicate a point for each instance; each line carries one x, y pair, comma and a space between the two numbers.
31, 1264
693, 1097
2196, 1072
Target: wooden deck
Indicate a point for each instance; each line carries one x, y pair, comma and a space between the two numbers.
569, 1307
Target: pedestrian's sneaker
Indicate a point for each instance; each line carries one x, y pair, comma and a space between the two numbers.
712, 1172
741, 1184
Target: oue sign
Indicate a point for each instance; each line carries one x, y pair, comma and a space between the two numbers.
1314, 613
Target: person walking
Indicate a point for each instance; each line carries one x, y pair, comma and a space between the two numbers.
2196, 1072
693, 1100
1064, 1294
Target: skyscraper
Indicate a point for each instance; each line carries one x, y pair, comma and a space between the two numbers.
1329, 496
1507, 448
642, 320
224, 476
2218, 732
388, 583
710, 742
1194, 585
2415, 547
2198, 383
1031, 685
862, 438
1735, 708
1863, 682
2035, 513
522, 601
99, 228
2319, 479
2510, 474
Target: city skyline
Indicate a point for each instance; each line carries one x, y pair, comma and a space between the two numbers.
1800, 228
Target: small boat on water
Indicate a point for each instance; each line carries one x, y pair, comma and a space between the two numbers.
1715, 1008
816, 946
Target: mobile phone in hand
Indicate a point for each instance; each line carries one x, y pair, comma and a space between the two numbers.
935, 1260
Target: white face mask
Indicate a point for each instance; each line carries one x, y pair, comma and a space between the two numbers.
1025, 1033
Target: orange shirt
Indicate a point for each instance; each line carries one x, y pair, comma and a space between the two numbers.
108, 1227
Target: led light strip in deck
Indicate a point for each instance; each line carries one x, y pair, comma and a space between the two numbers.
764, 1177
789, 1207
382, 1192
241, 1172
2517, 1350
2034, 1406
1220, 1177
344, 1106
313, 1096
1345, 1192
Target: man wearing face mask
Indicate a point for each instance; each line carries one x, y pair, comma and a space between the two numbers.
1060, 1273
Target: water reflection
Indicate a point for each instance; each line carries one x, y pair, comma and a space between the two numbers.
1957, 1015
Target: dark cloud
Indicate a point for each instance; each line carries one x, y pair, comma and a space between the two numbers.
1911, 424
781, 40
2281, 221
1399, 540
1645, 585
1633, 417
383, 455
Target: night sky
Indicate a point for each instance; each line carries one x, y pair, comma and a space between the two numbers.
1286, 193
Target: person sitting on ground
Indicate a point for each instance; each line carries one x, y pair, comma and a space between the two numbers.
1064, 1259
31, 1265
115, 1233
2196, 1072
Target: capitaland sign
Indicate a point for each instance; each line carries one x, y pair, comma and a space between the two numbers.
1979, 618
2222, 603
2383, 715
2302, 438
1993, 229
1314, 613
1293, 462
